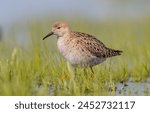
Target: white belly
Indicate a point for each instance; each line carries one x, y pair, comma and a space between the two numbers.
70, 53
76, 56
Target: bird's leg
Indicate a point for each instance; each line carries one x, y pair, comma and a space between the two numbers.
92, 72
71, 70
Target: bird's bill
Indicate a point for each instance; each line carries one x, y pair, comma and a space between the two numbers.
49, 34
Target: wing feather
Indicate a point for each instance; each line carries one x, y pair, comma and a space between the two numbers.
91, 44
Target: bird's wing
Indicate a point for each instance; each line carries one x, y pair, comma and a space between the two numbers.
91, 44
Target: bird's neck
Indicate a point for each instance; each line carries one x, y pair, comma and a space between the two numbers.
65, 36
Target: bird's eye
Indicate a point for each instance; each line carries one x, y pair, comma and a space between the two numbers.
58, 27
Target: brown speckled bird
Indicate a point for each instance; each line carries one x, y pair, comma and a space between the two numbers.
78, 48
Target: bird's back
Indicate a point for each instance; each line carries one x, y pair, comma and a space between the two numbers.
94, 46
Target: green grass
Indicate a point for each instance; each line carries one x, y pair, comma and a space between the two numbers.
37, 68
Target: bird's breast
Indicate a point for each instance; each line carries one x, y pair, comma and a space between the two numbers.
63, 46
69, 51
75, 54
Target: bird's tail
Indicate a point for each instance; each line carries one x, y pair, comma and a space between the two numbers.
112, 52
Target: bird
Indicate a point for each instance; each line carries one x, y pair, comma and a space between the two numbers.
80, 49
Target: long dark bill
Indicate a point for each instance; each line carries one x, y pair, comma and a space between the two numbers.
49, 34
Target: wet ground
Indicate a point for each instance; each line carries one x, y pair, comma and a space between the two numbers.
133, 88
128, 88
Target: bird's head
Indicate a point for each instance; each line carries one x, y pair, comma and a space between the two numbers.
59, 29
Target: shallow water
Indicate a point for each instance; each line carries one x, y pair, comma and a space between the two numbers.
128, 88
133, 88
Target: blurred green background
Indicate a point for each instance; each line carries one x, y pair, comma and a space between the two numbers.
30, 66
